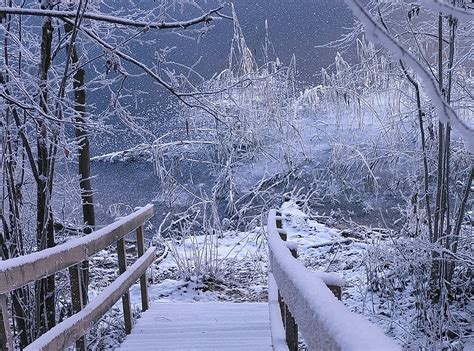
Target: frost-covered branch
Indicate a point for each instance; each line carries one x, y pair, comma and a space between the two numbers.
448, 9
378, 34
91, 34
205, 18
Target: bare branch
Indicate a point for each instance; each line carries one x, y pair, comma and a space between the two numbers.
448, 9
205, 18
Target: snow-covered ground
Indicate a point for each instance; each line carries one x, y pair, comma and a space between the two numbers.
241, 263
237, 260
375, 287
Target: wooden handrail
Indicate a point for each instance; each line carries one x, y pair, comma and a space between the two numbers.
308, 305
20, 271
71, 329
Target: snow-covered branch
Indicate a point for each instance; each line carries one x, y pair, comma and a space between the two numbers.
448, 9
91, 34
378, 34
205, 18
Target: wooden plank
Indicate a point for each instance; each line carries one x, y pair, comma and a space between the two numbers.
6, 340
20, 271
68, 331
202, 326
143, 282
126, 304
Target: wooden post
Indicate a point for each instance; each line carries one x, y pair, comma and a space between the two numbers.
75, 280
127, 307
6, 340
143, 283
291, 328
283, 236
281, 231
336, 290
278, 221
282, 305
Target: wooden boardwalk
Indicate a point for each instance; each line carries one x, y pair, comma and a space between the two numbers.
299, 299
202, 326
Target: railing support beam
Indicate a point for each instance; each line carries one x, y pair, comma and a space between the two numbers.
75, 279
127, 307
305, 296
291, 328
143, 282
6, 340
289, 322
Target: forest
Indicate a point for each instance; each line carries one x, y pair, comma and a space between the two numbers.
362, 138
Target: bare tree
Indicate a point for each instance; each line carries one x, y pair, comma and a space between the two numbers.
433, 60
43, 89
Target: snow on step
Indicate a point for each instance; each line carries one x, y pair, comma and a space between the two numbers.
202, 326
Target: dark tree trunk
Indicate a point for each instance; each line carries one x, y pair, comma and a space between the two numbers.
80, 129
45, 288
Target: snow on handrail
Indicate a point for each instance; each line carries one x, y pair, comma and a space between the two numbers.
324, 322
22, 270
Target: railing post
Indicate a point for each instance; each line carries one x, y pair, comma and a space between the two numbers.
278, 220
75, 279
143, 283
127, 307
283, 236
336, 290
291, 328
6, 340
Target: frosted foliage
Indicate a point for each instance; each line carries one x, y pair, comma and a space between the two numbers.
447, 8
325, 323
445, 112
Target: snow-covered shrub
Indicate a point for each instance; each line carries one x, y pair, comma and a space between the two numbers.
193, 238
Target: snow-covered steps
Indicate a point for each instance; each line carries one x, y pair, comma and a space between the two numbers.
202, 326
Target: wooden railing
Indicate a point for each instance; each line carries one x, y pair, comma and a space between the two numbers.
310, 302
19, 271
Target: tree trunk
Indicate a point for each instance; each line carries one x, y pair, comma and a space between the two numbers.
80, 129
45, 288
